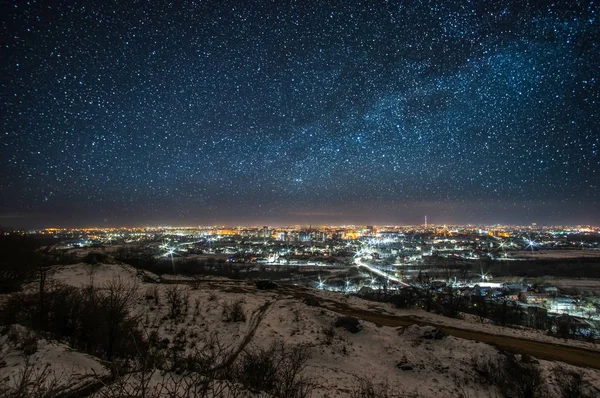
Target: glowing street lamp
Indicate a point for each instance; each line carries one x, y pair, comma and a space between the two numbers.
170, 252
321, 284
483, 275
530, 243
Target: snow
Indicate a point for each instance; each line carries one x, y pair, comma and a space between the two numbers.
404, 357
468, 322
82, 274
66, 368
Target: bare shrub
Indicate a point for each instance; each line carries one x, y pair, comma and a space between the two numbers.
365, 388
234, 312
186, 301
135, 384
211, 369
208, 356
153, 294
275, 370
312, 301
155, 384
23, 338
196, 280
19, 308
513, 378
570, 383
297, 316
349, 323
95, 320
329, 333
117, 298
196, 307
35, 382
30, 346
205, 372
177, 351
177, 298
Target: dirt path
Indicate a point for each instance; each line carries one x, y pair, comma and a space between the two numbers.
542, 350
539, 349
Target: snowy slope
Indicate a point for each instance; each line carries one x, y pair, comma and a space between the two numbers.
405, 358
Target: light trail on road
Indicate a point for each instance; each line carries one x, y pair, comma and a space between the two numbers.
359, 263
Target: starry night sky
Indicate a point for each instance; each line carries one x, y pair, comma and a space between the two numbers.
276, 112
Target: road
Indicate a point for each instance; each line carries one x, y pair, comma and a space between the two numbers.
542, 350
359, 263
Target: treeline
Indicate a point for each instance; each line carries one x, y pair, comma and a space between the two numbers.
19, 260
565, 268
448, 268
94, 320
210, 266
452, 303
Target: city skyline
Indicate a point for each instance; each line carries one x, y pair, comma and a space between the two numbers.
384, 228
299, 113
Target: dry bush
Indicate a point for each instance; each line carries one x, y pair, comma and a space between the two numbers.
513, 378
177, 298
276, 370
202, 373
159, 385
94, 320
366, 388
349, 323
211, 370
135, 384
116, 300
23, 338
312, 301
329, 333
196, 281
153, 294
571, 384
234, 312
32, 382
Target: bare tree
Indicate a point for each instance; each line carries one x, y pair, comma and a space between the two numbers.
117, 298
276, 370
177, 299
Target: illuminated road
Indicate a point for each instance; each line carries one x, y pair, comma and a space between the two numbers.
359, 263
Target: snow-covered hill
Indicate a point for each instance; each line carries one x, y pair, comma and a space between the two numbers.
418, 360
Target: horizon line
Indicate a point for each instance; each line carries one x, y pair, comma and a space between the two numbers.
309, 225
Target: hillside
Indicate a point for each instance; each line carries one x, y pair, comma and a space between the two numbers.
232, 332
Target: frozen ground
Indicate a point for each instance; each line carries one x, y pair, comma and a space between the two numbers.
470, 322
61, 367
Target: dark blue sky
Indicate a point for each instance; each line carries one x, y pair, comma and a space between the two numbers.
146, 112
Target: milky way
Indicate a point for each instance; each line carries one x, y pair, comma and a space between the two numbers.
183, 112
